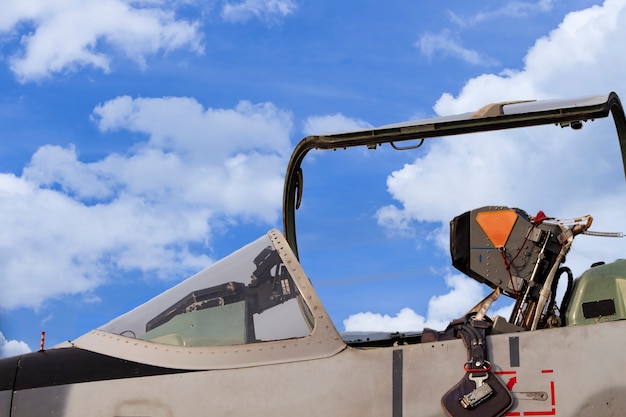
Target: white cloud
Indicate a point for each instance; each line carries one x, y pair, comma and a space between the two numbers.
12, 347
515, 9
317, 125
405, 321
443, 43
447, 43
395, 221
542, 168
442, 309
464, 295
577, 58
69, 34
182, 125
69, 225
267, 10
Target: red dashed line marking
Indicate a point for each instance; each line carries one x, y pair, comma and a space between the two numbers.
541, 413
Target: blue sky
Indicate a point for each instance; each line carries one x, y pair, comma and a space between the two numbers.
143, 140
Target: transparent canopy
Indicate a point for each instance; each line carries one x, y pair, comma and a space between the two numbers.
247, 297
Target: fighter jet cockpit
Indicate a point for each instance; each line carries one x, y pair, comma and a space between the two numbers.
247, 297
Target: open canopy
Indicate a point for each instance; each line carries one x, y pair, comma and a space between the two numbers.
497, 116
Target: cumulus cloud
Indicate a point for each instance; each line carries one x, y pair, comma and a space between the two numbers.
181, 125
267, 10
72, 34
69, 225
317, 125
405, 321
545, 168
463, 295
575, 58
12, 347
395, 221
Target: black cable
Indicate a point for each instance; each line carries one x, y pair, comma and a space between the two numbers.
568, 293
